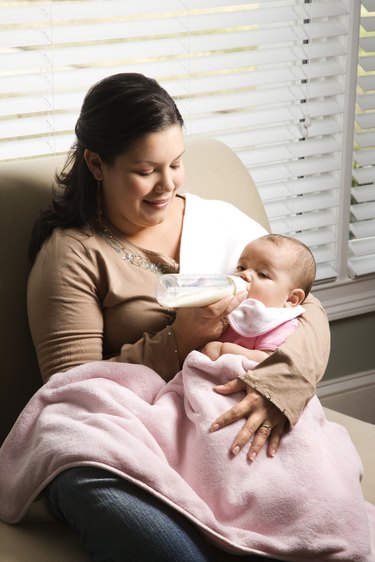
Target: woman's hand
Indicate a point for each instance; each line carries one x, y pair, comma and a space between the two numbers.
196, 326
264, 420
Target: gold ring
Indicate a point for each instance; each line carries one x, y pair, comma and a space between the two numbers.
266, 426
224, 322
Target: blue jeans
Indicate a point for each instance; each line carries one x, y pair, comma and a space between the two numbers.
119, 522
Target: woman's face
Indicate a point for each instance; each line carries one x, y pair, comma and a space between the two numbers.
139, 188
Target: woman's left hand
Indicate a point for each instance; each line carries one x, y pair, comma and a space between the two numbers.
264, 420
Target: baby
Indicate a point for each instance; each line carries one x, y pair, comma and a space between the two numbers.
280, 271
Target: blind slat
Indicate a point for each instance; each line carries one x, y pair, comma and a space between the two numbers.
297, 205
364, 193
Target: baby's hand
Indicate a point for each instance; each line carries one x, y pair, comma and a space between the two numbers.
212, 349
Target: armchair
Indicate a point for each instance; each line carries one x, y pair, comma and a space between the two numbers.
213, 171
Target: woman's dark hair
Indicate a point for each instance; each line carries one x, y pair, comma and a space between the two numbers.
115, 112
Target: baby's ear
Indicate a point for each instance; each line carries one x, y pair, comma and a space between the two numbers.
295, 297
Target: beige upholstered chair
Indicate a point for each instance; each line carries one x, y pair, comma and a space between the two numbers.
213, 171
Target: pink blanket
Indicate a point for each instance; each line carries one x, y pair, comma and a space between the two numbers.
305, 504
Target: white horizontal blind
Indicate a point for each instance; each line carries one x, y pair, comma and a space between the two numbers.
289, 130
266, 77
52, 51
362, 224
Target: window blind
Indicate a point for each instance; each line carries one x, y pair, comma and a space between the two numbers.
268, 78
362, 219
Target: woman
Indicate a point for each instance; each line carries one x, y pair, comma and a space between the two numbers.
116, 223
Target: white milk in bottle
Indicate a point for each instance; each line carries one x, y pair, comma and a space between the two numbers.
175, 290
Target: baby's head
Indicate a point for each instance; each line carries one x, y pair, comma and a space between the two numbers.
280, 270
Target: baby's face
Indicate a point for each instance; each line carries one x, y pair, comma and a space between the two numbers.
267, 269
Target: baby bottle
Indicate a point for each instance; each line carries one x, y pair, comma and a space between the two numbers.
175, 290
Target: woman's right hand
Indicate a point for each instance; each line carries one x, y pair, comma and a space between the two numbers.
195, 326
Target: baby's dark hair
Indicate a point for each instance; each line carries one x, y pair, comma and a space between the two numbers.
304, 265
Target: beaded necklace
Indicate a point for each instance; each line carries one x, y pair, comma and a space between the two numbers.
131, 256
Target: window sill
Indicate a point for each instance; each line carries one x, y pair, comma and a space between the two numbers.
348, 297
